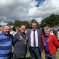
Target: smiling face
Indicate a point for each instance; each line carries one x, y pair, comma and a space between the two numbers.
7, 30
23, 28
47, 31
34, 26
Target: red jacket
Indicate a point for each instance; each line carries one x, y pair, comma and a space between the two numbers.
52, 43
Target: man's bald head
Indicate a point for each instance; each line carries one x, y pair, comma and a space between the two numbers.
6, 26
23, 28
7, 29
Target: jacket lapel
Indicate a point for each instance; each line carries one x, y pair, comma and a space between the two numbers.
29, 37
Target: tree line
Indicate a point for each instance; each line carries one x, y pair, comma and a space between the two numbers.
18, 22
51, 21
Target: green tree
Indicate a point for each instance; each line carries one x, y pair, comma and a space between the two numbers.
10, 23
26, 23
50, 21
18, 22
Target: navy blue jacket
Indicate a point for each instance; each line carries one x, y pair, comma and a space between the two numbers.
39, 39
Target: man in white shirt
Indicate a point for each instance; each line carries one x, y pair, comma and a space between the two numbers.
34, 41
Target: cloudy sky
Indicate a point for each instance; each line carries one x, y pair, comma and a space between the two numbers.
11, 10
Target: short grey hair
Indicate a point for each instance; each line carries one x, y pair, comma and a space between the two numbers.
34, 22
46, 27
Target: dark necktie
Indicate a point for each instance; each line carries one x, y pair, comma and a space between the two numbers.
34, 39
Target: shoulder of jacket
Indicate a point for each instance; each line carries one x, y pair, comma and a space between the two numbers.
39, 30
28, 31
53, 35
43, 35
16, 34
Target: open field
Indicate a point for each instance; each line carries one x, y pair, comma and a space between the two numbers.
43, 55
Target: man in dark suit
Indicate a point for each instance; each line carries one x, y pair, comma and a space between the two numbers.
34, 41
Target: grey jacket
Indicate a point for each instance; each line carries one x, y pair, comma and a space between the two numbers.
39, 39
20, 48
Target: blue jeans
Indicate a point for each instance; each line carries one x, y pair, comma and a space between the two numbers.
48, 56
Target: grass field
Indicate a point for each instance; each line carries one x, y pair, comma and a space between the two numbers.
28, 56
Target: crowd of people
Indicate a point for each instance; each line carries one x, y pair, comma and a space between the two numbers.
16, 42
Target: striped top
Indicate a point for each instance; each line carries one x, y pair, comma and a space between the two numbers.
5, 46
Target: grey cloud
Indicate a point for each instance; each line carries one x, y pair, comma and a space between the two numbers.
26, 10
14, 10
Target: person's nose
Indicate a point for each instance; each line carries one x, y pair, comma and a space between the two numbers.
34, 26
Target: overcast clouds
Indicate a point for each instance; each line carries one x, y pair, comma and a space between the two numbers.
26, 10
